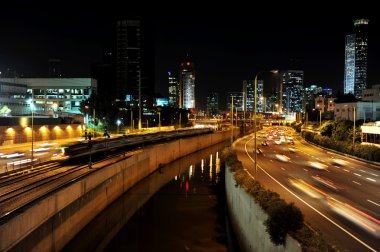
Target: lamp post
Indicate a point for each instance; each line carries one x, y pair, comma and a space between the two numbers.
32, 108
131, 120
159, 120
140, 104
353, 136
118, 124
232, 118
254, 123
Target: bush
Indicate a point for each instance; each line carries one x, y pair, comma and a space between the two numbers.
283, 218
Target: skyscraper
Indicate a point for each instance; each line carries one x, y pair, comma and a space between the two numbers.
187, 85
128, 58
349, 70
292, 83
212, 107
355, 74
134, 62
249, 95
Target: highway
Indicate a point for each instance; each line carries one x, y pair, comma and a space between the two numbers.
338, 195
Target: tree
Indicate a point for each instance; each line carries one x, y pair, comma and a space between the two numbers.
327, 129
342, 130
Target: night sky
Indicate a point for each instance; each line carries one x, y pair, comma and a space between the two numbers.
226, 43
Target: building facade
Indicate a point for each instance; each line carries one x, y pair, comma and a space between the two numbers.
13, 99
51, 95
372, 94
173, 89
324, 104
359, 110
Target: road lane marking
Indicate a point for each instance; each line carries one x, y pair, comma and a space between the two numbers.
305, 169
282, 169
357, 174
307, 204
371, 179
374, 174
356, 182
336, 166
377, 204
346, 170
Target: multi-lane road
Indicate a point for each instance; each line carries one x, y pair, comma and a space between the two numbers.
338, 195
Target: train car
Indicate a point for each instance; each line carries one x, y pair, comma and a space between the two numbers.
78, 150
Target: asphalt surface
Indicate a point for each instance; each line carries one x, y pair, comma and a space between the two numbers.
338, 195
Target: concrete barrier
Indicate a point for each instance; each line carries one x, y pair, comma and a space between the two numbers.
247, 219
54, 220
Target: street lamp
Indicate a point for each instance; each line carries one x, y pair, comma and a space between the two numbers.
159, 120
232, 118
32, 108
353, 137
118, 124
131, 120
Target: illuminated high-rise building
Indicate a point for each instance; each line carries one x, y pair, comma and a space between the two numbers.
355, 73
187, 85
249, 95
128, 59
238, 101
212, 106
134, 63
293, 91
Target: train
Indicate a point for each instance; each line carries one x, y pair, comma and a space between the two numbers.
105, 145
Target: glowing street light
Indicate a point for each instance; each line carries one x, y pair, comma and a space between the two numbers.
159, 120
118, 122
31, 104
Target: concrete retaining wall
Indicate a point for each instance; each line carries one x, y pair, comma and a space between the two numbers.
247, 219
49, 224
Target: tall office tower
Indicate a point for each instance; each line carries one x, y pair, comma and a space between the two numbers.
238, 101
187, 85
291, 96
355, 74
173, 89
128, 59
212, 106
349, 69
55, 68
249, 95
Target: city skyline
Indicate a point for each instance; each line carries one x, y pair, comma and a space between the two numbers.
226, 48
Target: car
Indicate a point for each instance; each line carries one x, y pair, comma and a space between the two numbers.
13, 155
317, 165
282, 158
339, 162
292, 149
